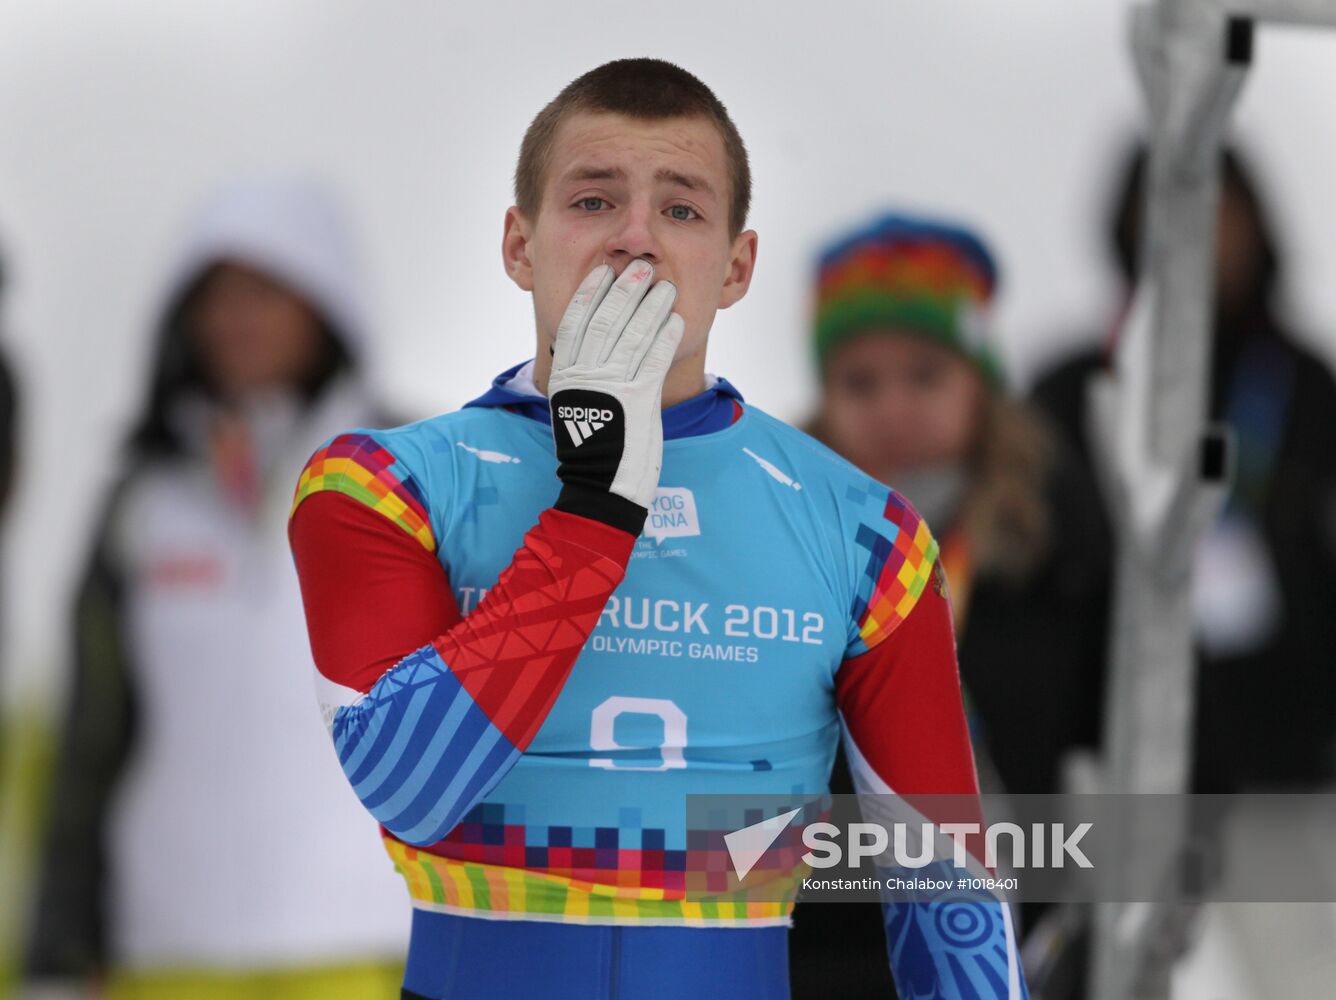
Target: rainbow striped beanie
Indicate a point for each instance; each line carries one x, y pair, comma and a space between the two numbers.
910, 275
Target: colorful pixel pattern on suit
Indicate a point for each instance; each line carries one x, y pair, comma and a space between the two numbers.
900, 556
495, 862
357, 466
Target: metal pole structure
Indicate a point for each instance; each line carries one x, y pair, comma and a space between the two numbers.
1162, 469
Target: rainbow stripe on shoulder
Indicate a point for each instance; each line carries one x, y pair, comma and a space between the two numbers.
359, 466
900, 556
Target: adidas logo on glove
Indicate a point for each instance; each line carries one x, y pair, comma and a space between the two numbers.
590, 413
582, 421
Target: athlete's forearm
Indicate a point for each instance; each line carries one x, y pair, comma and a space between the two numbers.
439, 728
970, 953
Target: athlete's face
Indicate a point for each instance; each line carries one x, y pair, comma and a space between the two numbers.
894, 403
618, 188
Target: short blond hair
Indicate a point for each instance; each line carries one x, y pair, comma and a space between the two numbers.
645, 89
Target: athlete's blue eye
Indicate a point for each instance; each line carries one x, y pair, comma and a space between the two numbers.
683, 213
591, 204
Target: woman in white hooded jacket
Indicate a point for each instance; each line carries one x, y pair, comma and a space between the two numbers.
201, 841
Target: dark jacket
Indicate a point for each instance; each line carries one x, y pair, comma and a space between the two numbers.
1267, 718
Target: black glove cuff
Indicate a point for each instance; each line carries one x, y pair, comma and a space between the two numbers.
599, 505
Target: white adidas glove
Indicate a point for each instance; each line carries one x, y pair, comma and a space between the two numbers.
612, 351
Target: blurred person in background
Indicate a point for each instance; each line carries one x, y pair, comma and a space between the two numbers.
200, 843
1265, 584
8, 418
913, 393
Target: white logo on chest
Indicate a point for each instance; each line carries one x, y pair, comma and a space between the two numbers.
488, 456
672, 514
773, 472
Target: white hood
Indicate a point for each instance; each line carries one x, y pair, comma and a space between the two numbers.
288, 227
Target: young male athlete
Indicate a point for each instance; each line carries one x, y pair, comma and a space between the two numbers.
702, 598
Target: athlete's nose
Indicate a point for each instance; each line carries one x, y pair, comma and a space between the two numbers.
633, 237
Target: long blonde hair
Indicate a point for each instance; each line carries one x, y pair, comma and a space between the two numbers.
1005, 517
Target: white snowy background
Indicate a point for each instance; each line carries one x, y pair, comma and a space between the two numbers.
116, 118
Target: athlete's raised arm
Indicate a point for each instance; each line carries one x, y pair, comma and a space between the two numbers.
429, 710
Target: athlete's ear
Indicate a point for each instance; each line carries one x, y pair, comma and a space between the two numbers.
515, 248
741, 263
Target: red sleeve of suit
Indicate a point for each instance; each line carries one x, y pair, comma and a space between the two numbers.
373, 595
902, 706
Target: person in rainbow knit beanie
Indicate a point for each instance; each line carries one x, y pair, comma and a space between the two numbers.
914, 392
